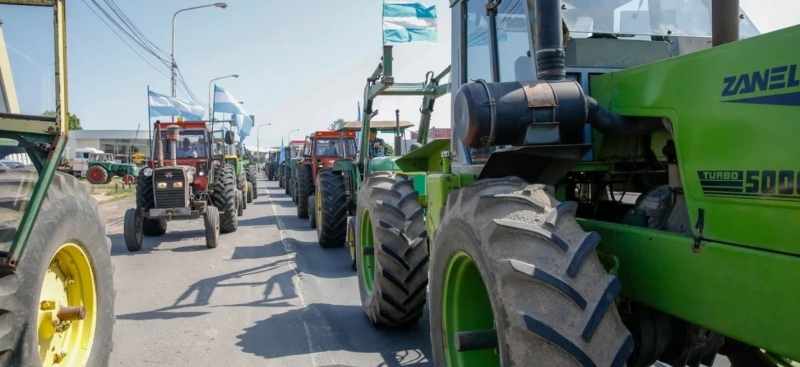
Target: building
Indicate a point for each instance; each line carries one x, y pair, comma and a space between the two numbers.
121, 143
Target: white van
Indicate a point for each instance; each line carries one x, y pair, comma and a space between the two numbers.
81, 158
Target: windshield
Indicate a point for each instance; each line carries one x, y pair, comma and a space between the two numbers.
688, 18
192, 144
333, 147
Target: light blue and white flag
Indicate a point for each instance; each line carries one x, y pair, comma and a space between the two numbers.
225, 102
280, 154
405, 22
162, 105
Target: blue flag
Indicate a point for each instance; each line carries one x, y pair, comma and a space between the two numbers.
405, 22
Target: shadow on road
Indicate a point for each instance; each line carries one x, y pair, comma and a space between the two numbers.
149, 244
322, 327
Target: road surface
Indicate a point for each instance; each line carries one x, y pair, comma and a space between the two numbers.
268, 295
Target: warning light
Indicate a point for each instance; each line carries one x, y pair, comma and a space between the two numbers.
180, 118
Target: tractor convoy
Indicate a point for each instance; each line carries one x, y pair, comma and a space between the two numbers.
600, 201
584, 208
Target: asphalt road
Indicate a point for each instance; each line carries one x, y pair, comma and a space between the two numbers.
268, 295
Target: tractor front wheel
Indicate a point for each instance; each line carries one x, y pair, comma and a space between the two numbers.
65, 270
305, 187
224, 198
132, 230
351, 241
252, 178
250, 192
331, 210
391, 250
515, 278
287, 181
97, 175
211, 222
240, 203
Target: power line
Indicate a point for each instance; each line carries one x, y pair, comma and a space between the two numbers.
132, 26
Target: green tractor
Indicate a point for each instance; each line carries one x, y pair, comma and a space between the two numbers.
231, 154
601, 202
271, 165
293, 156
102, 168
56, 275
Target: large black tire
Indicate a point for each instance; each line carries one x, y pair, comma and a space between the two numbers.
400, 253
132, 230
312, 211
250, 192
224, 198
281, 177
332, 221
68, 215
211, 226
144, 202
252, 177
544, 289
240, 203
305, 188
287, 181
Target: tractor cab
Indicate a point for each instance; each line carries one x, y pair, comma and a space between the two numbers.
322, 148
182, 146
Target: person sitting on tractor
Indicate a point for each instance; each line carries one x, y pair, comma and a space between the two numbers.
331, 149
377, 146
186, 150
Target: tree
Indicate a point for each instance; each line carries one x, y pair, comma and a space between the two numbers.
74, 121
389, 151
336, 124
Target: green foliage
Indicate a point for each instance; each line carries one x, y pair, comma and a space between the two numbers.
74, 121
336, 124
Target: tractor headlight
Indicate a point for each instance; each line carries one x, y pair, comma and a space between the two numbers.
147, 171
191, 170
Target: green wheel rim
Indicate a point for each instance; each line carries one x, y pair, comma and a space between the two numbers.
465, 307
368, 258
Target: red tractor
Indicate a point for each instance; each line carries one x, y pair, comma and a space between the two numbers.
191, 183
319, 191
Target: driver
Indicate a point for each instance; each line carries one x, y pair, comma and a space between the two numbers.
186, 150
331, 149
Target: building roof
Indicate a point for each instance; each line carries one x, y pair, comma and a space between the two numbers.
380, 125
110, 134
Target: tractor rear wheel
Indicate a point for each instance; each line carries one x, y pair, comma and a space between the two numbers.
66, 263
305, 187
252, 177
145, 201
280, 176
517, 282
392, 253
97, 175
211, 222
224, 198
331, 210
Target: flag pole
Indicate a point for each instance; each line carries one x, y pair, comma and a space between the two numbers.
149, 130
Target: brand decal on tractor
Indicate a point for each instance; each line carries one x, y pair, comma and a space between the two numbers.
773, 184
776, 78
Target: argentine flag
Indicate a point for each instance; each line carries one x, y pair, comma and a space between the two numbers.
225, 102
162, 105
405, 22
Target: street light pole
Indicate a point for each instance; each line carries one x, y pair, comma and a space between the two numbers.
174, 66
211, 107
258, 136
289, 136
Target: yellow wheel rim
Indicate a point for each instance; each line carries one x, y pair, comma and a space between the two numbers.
351, 241
68, 290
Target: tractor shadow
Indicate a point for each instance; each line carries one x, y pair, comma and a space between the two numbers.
151, 244
275, 276
322, 327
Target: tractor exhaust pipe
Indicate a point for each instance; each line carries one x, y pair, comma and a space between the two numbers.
159, 145
173, 134
724, 22
549, 41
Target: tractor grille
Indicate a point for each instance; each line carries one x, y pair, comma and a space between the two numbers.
171, 196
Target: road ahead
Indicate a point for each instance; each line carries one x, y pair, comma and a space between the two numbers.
267, 296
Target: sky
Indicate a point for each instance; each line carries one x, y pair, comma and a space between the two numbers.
302, 64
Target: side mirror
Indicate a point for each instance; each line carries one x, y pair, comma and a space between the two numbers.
229, 137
